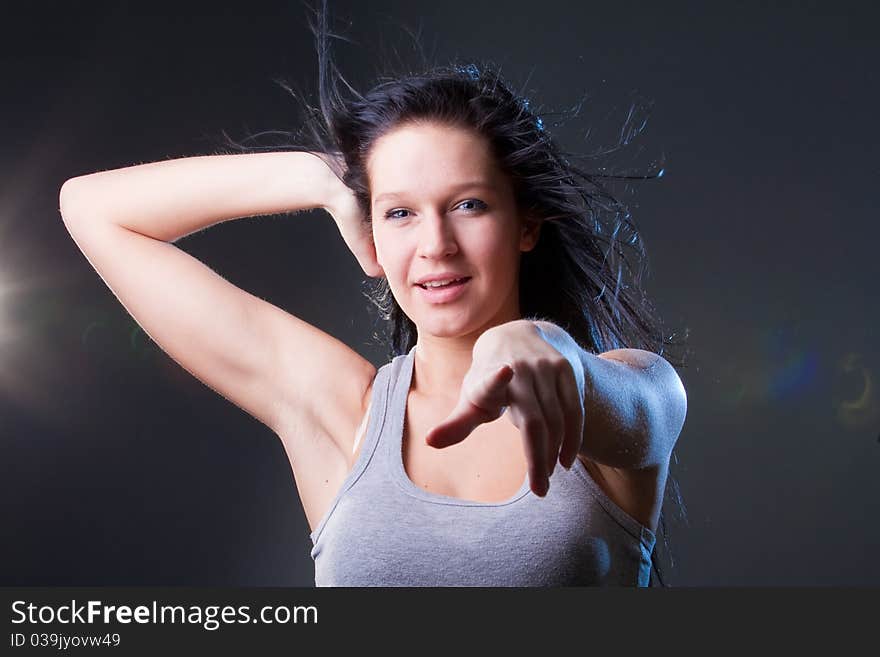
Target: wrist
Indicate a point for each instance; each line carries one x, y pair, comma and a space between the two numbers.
329, 188
561, 340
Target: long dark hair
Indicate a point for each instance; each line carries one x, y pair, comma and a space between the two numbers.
584, 273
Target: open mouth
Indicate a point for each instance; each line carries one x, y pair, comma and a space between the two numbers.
453, 283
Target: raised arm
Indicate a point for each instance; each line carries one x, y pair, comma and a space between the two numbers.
286, 373
174, 198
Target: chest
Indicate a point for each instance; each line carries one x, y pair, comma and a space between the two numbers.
490, 465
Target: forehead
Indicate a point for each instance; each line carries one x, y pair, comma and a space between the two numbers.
426, 157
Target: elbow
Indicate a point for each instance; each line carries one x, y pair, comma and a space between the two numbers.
78, 195
69, 198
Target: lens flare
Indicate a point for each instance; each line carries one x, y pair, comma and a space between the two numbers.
861, 409
792, 368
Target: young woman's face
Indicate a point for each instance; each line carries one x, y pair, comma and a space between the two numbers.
441, 206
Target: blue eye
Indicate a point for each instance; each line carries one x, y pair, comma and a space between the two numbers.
479, 206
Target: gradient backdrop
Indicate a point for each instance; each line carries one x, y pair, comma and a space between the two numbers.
119, 468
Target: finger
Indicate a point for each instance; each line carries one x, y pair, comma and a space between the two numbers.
526, 414
573, 409
491, 393
456, 427
485, 404
548, 397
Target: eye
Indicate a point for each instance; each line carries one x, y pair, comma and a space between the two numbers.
392, 214
480, 205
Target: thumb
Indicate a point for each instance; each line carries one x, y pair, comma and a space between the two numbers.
485, 404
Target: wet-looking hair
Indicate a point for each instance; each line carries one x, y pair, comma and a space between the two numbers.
585, 272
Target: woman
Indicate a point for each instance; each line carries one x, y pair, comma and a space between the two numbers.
505, 312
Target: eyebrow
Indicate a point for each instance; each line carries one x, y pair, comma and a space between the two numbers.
456, 188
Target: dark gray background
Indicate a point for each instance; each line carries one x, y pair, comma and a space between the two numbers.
119, 468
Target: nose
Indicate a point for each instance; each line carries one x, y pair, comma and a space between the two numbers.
436, 237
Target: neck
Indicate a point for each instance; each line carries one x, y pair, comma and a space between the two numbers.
441, 363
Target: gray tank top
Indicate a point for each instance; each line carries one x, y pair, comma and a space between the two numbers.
383, 530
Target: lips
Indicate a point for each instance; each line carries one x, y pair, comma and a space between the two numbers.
454, 281
446, 293
440, 276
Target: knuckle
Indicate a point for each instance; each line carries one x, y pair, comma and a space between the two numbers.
545, 364
561, 365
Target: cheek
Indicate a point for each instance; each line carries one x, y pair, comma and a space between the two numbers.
496, 254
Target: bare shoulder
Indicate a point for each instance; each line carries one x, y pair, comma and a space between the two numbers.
637, 492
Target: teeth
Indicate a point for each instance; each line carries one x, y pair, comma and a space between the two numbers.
440, 283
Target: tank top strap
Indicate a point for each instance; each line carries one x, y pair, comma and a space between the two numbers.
398, 392
383, 530
382, 408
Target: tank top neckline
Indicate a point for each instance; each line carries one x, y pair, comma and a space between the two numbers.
395, 446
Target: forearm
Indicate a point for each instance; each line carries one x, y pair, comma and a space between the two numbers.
634, 403
171, 199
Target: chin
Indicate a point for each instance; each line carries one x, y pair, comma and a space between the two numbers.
448, 320
446, 325
442, 329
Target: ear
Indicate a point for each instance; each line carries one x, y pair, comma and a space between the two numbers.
529, 233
